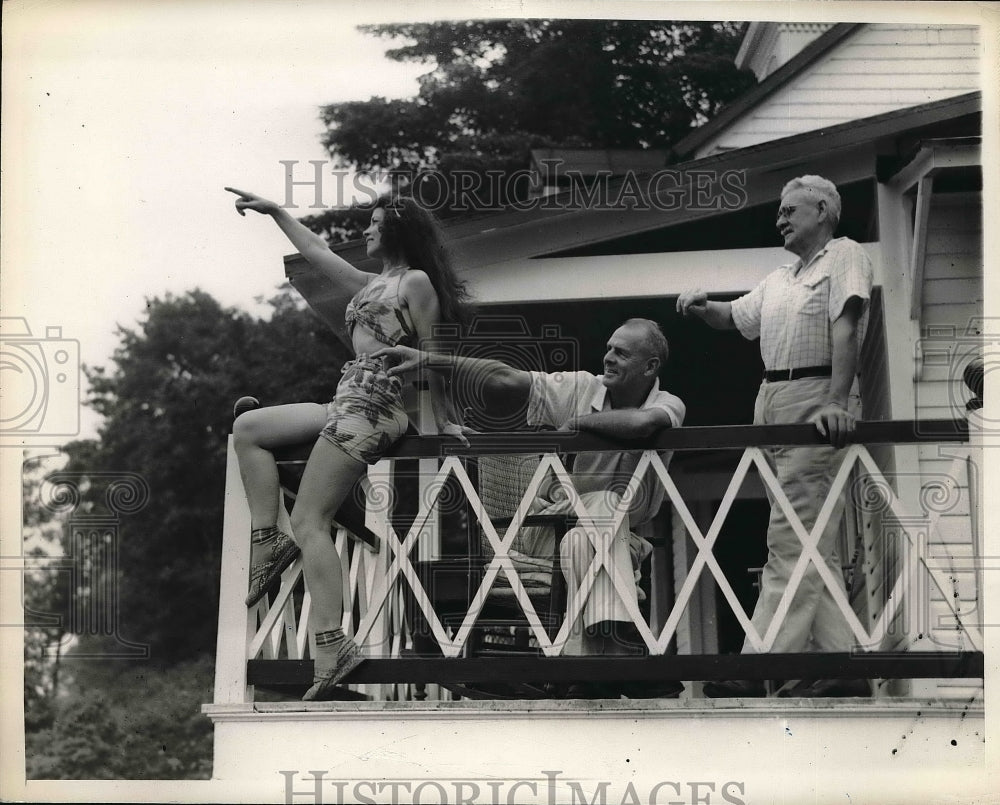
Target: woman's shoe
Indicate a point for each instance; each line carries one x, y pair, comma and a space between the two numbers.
349, 657
262, 575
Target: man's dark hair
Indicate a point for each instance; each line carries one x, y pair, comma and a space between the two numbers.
655, 340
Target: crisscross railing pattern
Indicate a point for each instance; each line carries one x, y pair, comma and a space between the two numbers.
374, 580
600, 537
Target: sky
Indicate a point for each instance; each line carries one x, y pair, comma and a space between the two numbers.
124, 121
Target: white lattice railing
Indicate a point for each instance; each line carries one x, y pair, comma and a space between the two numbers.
374, 578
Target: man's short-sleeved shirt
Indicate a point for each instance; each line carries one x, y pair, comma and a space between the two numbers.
793, 307
554, 399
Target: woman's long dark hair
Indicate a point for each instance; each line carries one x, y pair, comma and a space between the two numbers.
412, 233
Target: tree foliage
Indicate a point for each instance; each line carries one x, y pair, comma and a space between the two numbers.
167, 409
499, 88
149, 726
166, 399
45, 597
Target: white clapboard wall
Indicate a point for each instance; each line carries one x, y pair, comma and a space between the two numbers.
951, 325
879, 68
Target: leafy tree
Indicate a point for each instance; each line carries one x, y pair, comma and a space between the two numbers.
43, 640
166, 400
499, 88
167, 409
45, 595
147, 727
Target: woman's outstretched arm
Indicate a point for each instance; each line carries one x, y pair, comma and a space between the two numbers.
307, 243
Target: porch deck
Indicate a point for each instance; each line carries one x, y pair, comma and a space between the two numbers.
267, 646
905, 735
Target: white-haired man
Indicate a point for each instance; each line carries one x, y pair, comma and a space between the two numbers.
810, 317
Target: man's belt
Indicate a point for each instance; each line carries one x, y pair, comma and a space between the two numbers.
775, 375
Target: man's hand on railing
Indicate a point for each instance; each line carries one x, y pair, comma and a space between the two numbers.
835, 423
458, 431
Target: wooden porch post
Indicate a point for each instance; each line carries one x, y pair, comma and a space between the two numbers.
236, 627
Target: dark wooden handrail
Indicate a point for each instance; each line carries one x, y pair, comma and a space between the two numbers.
861, 665
700, 437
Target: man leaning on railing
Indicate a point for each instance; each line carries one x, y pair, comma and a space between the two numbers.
810, 317
626, 402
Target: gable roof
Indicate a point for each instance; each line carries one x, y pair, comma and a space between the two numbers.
764, 41
809, 54
513, 233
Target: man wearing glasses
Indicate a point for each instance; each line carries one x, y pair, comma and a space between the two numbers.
810, 316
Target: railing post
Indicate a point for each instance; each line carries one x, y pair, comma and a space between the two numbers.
378, 510
973, 377
236, 628
429, 544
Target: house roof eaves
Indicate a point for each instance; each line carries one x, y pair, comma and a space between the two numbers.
753, 32
773, 82
774, 152
851, 132
754, 157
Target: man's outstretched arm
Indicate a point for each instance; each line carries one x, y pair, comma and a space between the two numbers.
695, 302
503, 383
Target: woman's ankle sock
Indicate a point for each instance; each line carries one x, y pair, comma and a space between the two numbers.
328, 646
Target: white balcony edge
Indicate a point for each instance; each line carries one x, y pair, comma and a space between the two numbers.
590, 709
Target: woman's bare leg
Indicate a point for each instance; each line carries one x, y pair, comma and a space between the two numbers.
255, 435
330, 473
